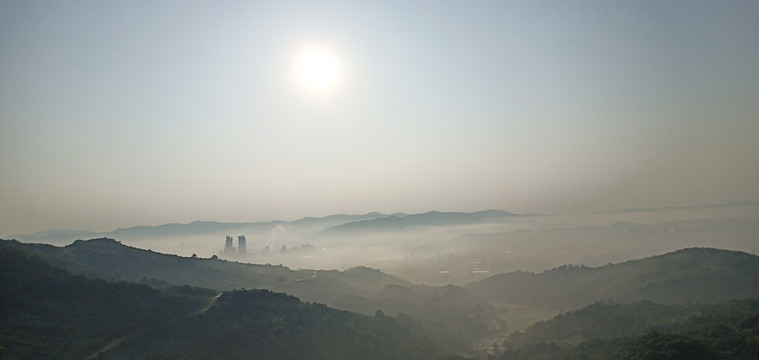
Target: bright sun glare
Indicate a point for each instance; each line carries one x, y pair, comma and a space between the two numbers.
317, 69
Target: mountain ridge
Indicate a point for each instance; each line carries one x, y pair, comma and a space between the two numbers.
686, 275
643, 330
108, 259
54, 314
66, 236
430, 218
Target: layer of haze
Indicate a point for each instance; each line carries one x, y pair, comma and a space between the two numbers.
115, 114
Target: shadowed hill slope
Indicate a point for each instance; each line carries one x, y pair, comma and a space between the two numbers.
258, 324
49, 313
109, 259
643, 330
688, 275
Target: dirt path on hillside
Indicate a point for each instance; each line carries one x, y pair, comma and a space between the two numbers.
118, 341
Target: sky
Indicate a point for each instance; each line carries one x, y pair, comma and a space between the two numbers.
123, 113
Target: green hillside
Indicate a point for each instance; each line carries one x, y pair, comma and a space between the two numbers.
108, 259
49, 313
689, 275
258, 324
450, 313
643, 330
450, 309
46, 312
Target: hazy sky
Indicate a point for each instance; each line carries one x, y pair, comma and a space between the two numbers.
123, 113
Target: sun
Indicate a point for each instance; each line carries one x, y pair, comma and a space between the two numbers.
318, 69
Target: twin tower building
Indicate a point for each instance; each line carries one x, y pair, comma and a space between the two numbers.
229, 248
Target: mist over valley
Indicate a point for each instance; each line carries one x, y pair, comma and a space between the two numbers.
440, 248
468, 282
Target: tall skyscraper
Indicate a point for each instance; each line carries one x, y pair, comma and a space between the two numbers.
241, 245
229, 248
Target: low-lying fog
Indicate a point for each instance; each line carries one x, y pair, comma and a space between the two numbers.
445, 254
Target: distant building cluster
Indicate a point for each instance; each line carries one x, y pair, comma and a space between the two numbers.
242, 246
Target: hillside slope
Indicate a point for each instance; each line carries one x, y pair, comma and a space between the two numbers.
643, 330
108, 259
258, 324
688, 275
49, 313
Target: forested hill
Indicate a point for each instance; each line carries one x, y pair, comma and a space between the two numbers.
456, 314
109, 259
684, 276
643, 330
49, 313
258, 324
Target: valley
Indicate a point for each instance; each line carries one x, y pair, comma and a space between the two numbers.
477, 307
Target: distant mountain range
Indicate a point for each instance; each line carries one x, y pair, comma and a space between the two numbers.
332, 224
432, 218
337, 224
327, 225
64, 237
